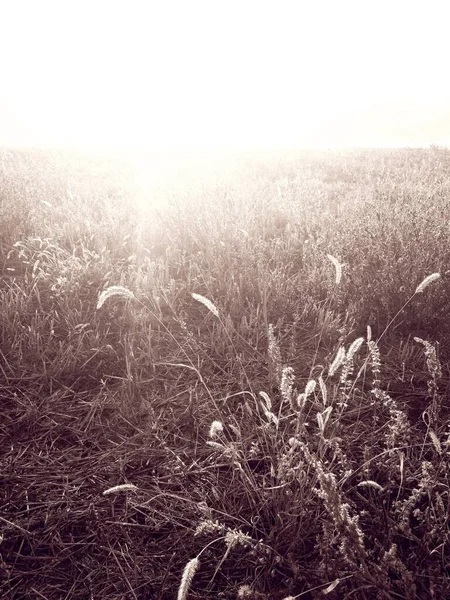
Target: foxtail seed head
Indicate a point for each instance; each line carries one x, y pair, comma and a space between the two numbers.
426, 282
209, 305
114, 290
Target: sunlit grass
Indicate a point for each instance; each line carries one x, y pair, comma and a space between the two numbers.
241, 392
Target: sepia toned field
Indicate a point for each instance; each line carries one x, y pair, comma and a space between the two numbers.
225, 382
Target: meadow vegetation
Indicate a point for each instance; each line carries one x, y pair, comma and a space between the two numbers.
241, 393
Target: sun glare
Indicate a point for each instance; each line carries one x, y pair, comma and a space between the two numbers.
202, 76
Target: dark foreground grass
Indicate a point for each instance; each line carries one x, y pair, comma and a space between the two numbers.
259, 409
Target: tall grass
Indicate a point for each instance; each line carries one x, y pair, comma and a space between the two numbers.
241, 395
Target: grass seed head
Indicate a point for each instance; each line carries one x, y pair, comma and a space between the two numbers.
245, 591
216, 427
323, 391
209, 305
426, 282
274, 352
266, 399
287, 384
235, 537
125, 487
337, 362
433, 363
337, 267
354, 347
370, 483
310, 387
115, 290
436, 441
189, 571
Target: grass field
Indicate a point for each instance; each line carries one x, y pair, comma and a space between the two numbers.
240, 393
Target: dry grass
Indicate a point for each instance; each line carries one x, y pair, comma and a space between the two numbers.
194, 403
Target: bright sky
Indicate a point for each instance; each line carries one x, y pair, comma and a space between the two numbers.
210, 73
